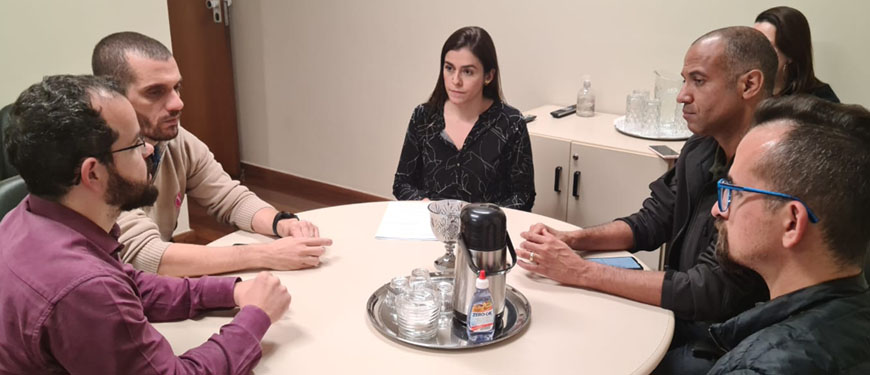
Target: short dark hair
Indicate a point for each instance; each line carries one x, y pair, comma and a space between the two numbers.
794, 41
824, 159
747, 49
110, 55
478, 41
54, 127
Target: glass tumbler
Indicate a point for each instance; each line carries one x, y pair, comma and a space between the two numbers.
418, 314
420, 276
445, 290
680, 123
635, 104
651, 117
641, 92
398, 286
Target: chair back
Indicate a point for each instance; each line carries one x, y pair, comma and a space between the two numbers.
867, 266
6, 169
12, 192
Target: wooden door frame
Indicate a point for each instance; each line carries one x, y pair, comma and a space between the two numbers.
202, 49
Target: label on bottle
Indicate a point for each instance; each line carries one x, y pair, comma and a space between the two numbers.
481, 318
586, 106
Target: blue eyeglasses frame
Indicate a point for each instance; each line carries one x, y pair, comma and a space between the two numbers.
724, 188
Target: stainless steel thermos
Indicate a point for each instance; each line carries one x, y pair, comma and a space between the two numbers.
483, 245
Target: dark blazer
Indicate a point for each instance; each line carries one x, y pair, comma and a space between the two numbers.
696, 287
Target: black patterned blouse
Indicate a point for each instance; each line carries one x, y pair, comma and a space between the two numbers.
493, 166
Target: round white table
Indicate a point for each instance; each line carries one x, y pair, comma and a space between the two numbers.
327, 330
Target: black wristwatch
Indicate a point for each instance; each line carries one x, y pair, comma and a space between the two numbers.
281, 215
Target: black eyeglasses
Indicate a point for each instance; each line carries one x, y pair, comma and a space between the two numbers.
141, 144
724, 188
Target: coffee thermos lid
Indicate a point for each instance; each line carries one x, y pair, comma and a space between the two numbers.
484, 227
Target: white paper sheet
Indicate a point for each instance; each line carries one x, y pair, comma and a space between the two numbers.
406, 220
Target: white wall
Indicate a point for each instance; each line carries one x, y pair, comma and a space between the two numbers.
326, 88
46, 37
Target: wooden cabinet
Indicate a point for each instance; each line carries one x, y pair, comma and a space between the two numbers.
587, 173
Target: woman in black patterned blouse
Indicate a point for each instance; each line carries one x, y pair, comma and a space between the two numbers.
465, 142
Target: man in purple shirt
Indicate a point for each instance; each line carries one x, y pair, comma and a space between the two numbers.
68, 304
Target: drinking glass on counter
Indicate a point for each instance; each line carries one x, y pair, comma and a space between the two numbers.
680, 124
651, 116
635, 105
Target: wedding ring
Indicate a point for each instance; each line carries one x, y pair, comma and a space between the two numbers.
532, 257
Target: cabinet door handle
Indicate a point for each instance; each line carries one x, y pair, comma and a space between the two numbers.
576, 184
558, 174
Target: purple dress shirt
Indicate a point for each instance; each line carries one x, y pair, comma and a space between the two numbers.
67, 305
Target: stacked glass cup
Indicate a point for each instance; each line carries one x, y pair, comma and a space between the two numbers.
419, 307
635, 107
651, 116
680, 124
398, 286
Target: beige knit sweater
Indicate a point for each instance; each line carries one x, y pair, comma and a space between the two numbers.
187, 167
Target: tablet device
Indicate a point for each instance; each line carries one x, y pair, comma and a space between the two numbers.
621, 262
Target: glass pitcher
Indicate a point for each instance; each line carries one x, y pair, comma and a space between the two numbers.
668, 86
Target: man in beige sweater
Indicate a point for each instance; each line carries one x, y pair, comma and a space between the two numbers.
184, 165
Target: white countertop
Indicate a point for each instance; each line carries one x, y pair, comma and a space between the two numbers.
597, 130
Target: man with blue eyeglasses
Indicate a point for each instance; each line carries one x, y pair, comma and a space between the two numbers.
794, 209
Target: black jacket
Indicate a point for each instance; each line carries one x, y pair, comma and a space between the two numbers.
825, 91
823, 329
695, 288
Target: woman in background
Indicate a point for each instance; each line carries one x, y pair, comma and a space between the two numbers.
465, 142
789, 32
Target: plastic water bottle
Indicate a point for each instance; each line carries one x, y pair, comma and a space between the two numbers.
586, 99
481, 317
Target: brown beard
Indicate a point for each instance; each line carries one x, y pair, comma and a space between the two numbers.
153, 131
128, 195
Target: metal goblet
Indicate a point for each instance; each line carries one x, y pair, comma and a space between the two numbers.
444, 218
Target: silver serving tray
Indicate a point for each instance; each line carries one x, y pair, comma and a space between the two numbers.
683, 134
515, 319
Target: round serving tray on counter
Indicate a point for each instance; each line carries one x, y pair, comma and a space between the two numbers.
653, 134
516, 317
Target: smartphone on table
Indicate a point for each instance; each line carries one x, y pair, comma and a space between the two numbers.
621, 262
664, 152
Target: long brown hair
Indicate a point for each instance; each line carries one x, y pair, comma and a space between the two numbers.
794, 41
478, 41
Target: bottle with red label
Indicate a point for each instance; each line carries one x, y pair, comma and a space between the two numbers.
481, 317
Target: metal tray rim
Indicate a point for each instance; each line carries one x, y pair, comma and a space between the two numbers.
619, 124
511, 293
